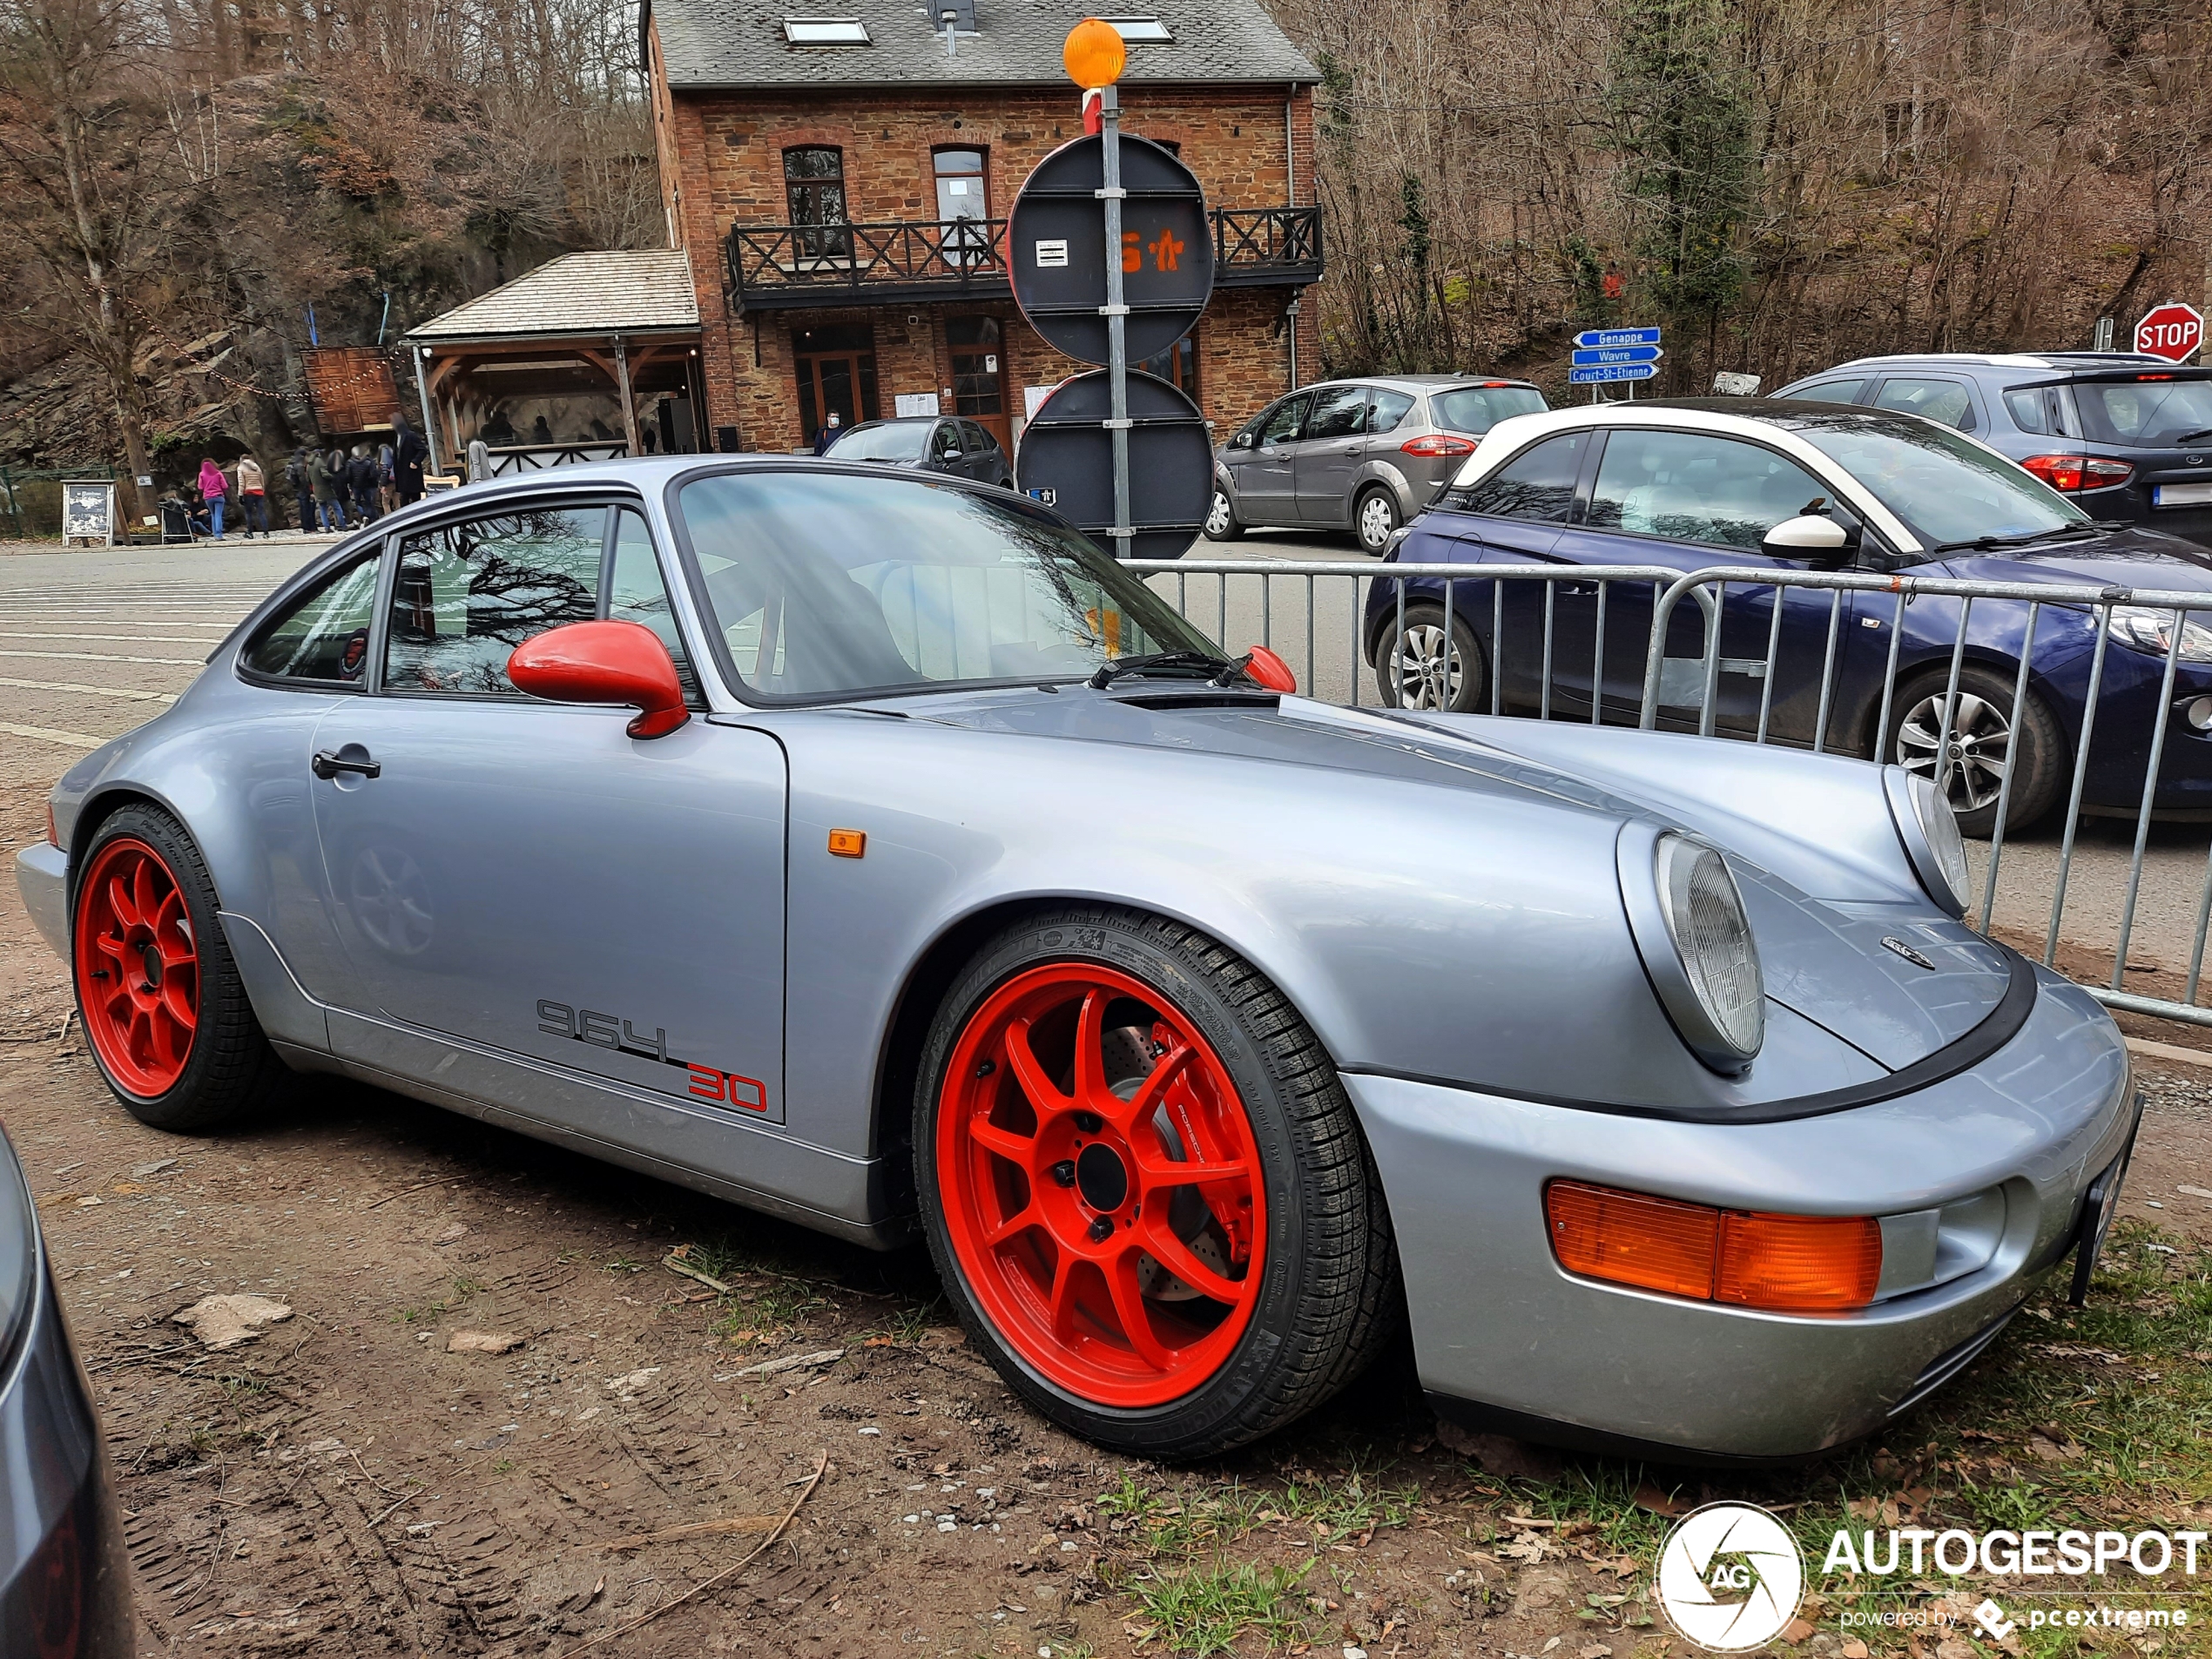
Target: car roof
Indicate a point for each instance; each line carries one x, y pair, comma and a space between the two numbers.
2044, 360
900, 419
1741, 416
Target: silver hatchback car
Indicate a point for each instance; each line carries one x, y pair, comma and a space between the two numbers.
1359, 454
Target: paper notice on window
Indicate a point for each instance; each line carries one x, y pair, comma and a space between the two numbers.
1032, 399
906, 403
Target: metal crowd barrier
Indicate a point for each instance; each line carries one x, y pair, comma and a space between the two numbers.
1295, 630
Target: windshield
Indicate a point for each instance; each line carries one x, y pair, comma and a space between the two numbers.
824, 586
2147, 414
901, 441
1477, 408
1945, 488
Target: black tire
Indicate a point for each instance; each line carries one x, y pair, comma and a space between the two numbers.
1222, 523
1375, 519
1328, 1298
1425, 669
230, 1070
1982, 714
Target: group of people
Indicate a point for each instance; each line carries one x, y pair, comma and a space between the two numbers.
336, 489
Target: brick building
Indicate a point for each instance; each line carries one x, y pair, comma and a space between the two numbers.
839, 172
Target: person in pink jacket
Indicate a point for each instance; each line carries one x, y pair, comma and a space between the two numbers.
213, 488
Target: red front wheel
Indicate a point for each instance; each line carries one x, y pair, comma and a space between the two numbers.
1144, 1186
160, 997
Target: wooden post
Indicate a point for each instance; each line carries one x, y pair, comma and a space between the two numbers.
629, 406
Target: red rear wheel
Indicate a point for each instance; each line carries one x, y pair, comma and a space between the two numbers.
1100, 1183
137, 967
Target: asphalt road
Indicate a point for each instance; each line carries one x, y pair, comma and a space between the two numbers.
91, 643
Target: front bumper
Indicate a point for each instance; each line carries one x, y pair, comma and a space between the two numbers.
42, 876
64, 1579
1498, 1323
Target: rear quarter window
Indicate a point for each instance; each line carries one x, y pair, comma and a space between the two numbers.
1477, 408
323, 639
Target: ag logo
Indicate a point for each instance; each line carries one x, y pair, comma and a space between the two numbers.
1730, 1577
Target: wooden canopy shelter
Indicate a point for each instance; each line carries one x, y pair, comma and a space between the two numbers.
623, 324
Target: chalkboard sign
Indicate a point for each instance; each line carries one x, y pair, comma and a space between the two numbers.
88, 512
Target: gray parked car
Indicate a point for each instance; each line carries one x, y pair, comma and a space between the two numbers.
2128, 437
956, 447
766, 825
1359, 454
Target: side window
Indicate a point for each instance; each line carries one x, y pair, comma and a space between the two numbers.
976, 438
323, 639
1339, 412
944, 440
2026, 409
466, 595
1829, 392
1283, 421
1537, 484
1687, 486
1386, 409
636, 592
1944, 401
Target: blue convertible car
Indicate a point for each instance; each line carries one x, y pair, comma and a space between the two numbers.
868, 848
1695, 484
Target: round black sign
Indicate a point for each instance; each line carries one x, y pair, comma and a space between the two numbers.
1056, 248
1067, 462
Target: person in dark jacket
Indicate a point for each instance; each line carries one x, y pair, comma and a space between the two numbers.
409, 452
302, 477
831, 429
360, 482
326, 485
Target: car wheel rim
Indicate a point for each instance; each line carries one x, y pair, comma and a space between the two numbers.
1425, 680
1969, 762
1374, 522
1101, 1184
137, 967
1217, 515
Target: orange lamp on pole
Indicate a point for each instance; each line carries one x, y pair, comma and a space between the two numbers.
1093, 54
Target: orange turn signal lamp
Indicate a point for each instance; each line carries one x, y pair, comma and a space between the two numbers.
848, 844
1788, 1263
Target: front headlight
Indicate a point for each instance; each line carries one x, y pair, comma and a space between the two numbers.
1688, 921
1929, 829
2148, 628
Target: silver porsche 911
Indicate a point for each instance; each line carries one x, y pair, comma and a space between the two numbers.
870, 850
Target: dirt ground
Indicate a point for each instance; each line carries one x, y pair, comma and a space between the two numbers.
349, 1484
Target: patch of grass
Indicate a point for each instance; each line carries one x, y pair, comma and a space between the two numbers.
1204, 1611
624, 1265
905, 1326
430, 1312
1344, 1508
502, 1466
1168, 1523
770, 1311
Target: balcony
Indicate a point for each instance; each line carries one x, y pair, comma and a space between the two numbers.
782, 267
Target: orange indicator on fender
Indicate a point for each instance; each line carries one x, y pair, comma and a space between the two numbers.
848, 844
1791, 1264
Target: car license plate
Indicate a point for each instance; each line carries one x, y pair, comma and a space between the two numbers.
2179, 495
2099, 1205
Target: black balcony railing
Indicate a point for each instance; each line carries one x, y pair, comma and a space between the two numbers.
784, 266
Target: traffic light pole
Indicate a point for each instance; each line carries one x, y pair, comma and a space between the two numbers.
1117, 310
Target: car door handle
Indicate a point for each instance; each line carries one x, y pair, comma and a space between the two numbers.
326, 764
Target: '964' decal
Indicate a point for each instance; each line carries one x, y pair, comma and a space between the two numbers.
609, 1031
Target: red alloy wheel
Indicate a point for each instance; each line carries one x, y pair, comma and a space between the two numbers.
137, 968
1115, 1238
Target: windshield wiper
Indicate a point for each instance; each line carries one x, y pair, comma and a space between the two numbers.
1201, 662
2020, 539
2191, 437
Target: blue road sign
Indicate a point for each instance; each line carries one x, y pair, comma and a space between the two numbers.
1611, 372
1617, 337
1601, 355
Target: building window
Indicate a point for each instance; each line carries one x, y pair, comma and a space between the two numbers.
814, 188
1141, 31
835, 371
963, 195
825, 31
1178, 365
979, 380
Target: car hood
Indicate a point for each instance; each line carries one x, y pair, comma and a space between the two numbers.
1821, 922
2129, 558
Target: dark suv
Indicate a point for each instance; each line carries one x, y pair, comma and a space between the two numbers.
2130, 437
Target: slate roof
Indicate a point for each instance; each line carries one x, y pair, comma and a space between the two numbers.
627, 291
724, 44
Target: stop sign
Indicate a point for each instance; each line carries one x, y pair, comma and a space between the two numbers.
2171, 331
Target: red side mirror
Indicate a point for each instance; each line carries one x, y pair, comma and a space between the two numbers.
620, 662
1264, 668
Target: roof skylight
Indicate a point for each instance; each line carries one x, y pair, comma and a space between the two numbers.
1141, 31
825, 31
